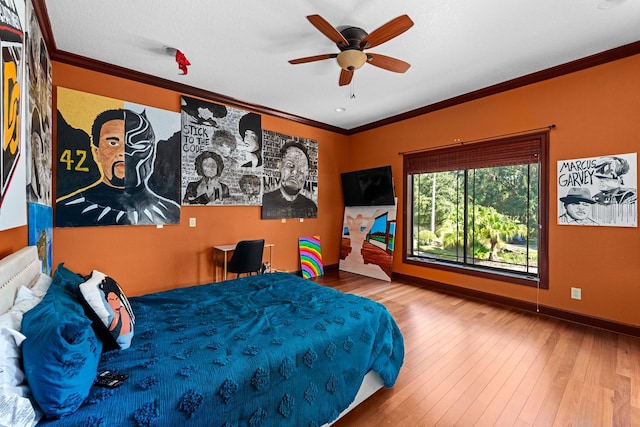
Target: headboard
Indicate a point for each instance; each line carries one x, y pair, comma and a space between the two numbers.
17, 269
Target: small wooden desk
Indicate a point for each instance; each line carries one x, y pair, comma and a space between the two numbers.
224, 250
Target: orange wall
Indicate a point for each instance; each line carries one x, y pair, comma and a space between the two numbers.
597, 112
13, 239
145, 258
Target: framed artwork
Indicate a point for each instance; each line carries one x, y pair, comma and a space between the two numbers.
39, 114
41, 233
13, 212
118, 163
290, 177
598, 191
221, 155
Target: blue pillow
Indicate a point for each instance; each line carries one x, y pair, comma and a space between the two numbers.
67, 279
61, 352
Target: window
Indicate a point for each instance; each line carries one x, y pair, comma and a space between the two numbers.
480, 209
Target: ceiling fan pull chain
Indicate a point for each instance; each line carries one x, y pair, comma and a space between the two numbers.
352, 91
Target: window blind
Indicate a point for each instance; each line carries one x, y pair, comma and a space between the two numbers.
522, 149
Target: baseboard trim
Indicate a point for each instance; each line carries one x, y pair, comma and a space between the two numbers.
583, 319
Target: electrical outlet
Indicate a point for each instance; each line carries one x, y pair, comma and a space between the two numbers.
576, 293
192, 222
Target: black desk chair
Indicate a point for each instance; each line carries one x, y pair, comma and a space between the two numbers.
247, 257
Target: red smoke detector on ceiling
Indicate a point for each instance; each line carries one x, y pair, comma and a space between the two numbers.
182, 61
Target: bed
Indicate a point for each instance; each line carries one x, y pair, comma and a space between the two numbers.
266, 350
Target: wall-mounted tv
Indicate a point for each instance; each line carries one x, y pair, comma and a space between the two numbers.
368, 187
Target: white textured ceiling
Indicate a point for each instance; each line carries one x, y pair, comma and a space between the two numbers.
240, 48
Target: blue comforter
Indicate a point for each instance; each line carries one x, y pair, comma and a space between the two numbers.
268, 350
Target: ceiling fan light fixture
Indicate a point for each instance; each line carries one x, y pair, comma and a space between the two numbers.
351, 59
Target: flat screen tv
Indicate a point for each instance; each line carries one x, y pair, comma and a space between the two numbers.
368, 187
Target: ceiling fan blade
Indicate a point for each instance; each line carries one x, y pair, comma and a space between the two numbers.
313, 58
345, 77
391, 29
387, 62
327, 29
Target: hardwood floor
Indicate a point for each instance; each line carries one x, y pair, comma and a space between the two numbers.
468, 363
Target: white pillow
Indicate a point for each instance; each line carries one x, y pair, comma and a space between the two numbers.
93, 298
25, 301
24, 296
15, 407
10, 373
41, 285
9, 320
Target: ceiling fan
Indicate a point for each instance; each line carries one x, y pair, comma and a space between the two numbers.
352, 41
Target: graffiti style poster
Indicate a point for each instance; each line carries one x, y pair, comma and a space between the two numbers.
598, 191
11, 39
13, 212
221, 155
368, 240
38, 122
118, 163
290, 177
41, 233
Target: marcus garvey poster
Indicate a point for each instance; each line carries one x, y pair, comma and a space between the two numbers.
598, 191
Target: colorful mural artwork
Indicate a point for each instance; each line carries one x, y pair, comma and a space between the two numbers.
38, 138
598, 191
221, 155
118, 163
290, 177
41, 233
310, 256
368, 238
12, 113
11, 39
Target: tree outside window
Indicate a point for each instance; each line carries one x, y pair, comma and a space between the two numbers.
480, 209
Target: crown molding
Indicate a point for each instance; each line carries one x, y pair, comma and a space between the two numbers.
40, 10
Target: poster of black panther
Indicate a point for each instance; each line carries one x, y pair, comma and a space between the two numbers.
118, 163
221, 155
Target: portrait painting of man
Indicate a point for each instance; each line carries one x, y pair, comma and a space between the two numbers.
117, 162
601, 191
290, 177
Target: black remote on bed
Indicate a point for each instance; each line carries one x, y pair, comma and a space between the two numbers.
110, 379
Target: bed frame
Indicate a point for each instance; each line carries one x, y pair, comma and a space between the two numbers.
370, 384
21, 268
